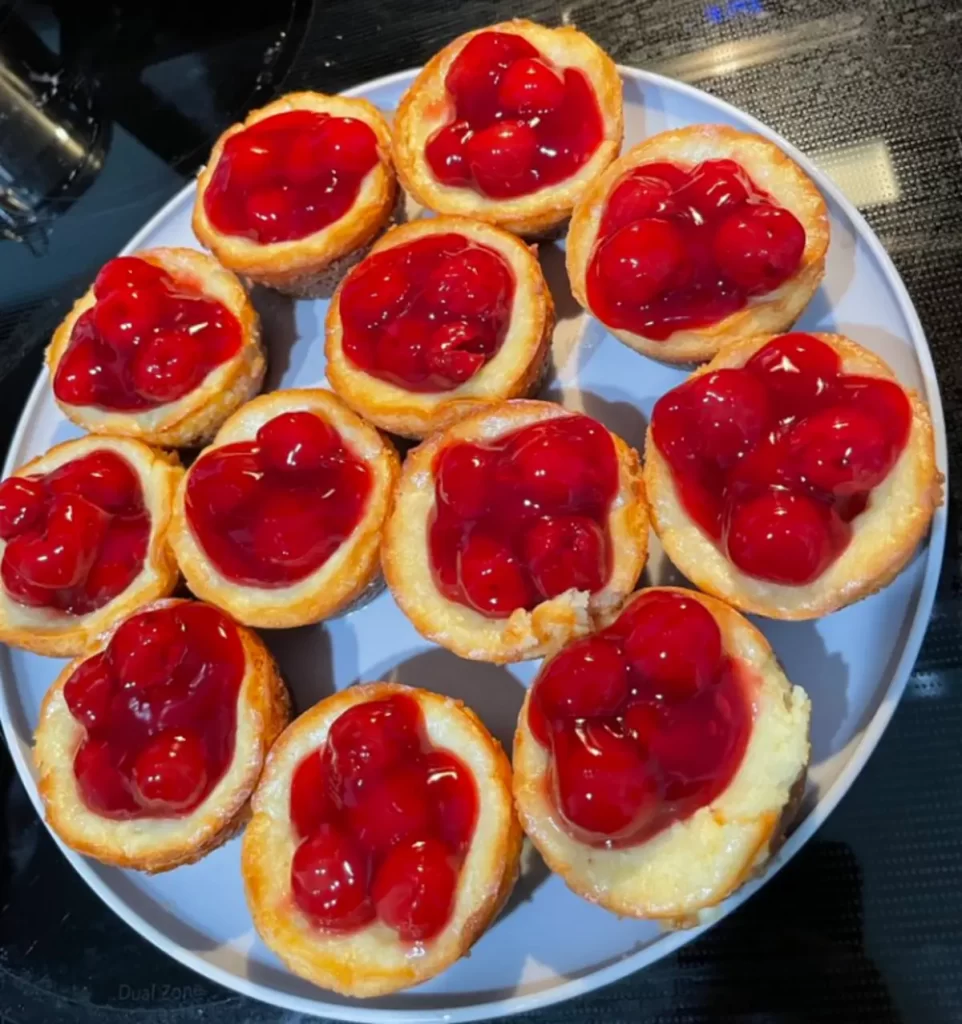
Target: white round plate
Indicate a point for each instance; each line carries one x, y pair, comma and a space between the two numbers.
549, 945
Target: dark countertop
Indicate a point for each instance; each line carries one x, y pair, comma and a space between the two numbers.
865, 924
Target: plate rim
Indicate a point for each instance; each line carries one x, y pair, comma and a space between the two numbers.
864, 744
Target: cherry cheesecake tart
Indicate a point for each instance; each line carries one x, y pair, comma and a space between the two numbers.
149, 746
445, 316
384, 839
658, 762
279, 521
84, 541
510, 124
792, 475
294, 194
163, 347
516, 530
697, 237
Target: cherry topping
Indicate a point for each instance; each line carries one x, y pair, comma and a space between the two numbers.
682, 248
427, 315
149, 339
170, 773
329, 880
646, 721
524, 518
159, 727
519, 124
271, 511
384, 820
76, 537
414, 888
775, 459
289, 176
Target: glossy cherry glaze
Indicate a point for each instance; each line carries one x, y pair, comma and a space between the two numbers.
524, 518
646, 721
159, 707
149, 339
518, 122
683, 248
270, 511
289, 175
76, 537
427, 315
383, 820
776, 459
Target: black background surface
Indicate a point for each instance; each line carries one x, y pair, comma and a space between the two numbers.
865, 925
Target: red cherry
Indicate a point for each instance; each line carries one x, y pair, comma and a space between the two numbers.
89, 691
783, 537
374, 293
129, 273
400, 350
63, 555
728, 414
473, 283
414, 889
603, 784
23, 505
641, 261
270, 211
104, 478
492, 577
759, 247
311, 803
249, 157
351, 146
714, 187
643, 722
287, 531
167, 366
840, 450
101, 783
124, 316
884, 400
501, 158
675, 646
170, 773
481, 63
147, 648
798, 370
220, 485
369, 740
446, 154
121, 558
20, 589
565, 552
456, 351
529, 87
391, 810
77, 378
297, 442
329, 880
453, 798
463, 479
636, 198
671, 174
589, 679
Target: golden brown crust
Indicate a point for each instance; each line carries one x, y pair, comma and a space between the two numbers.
373, 961
159, 844
193, 419
44, 631
426, 106
524, 634
514, 372
770, 169
347, 573
698, 862
305, 266
884, 538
